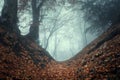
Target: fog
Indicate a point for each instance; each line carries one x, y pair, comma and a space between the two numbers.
62, 31
68, 39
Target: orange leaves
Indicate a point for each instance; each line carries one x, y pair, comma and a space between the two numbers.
99, 64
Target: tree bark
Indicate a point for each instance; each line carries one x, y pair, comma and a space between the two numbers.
9, 15
34, 29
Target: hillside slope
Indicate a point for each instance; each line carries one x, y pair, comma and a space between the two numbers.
22, 59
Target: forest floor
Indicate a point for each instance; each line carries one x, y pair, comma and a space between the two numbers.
22, 59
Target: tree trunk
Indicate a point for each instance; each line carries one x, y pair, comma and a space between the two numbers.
34, 29
9, 15
84, 38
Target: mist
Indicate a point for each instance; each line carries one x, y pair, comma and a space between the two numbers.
64, 26
61, 31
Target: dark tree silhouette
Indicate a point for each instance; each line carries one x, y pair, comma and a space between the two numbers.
102, 13
9, 15
36, 18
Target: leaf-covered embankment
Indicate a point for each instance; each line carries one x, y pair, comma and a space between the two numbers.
21, 58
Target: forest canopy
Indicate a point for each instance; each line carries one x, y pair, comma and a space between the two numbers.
101, 13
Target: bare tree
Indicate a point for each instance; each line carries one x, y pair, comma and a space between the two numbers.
56, 44
58, 22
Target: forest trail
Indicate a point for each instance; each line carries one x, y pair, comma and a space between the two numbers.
23, 59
